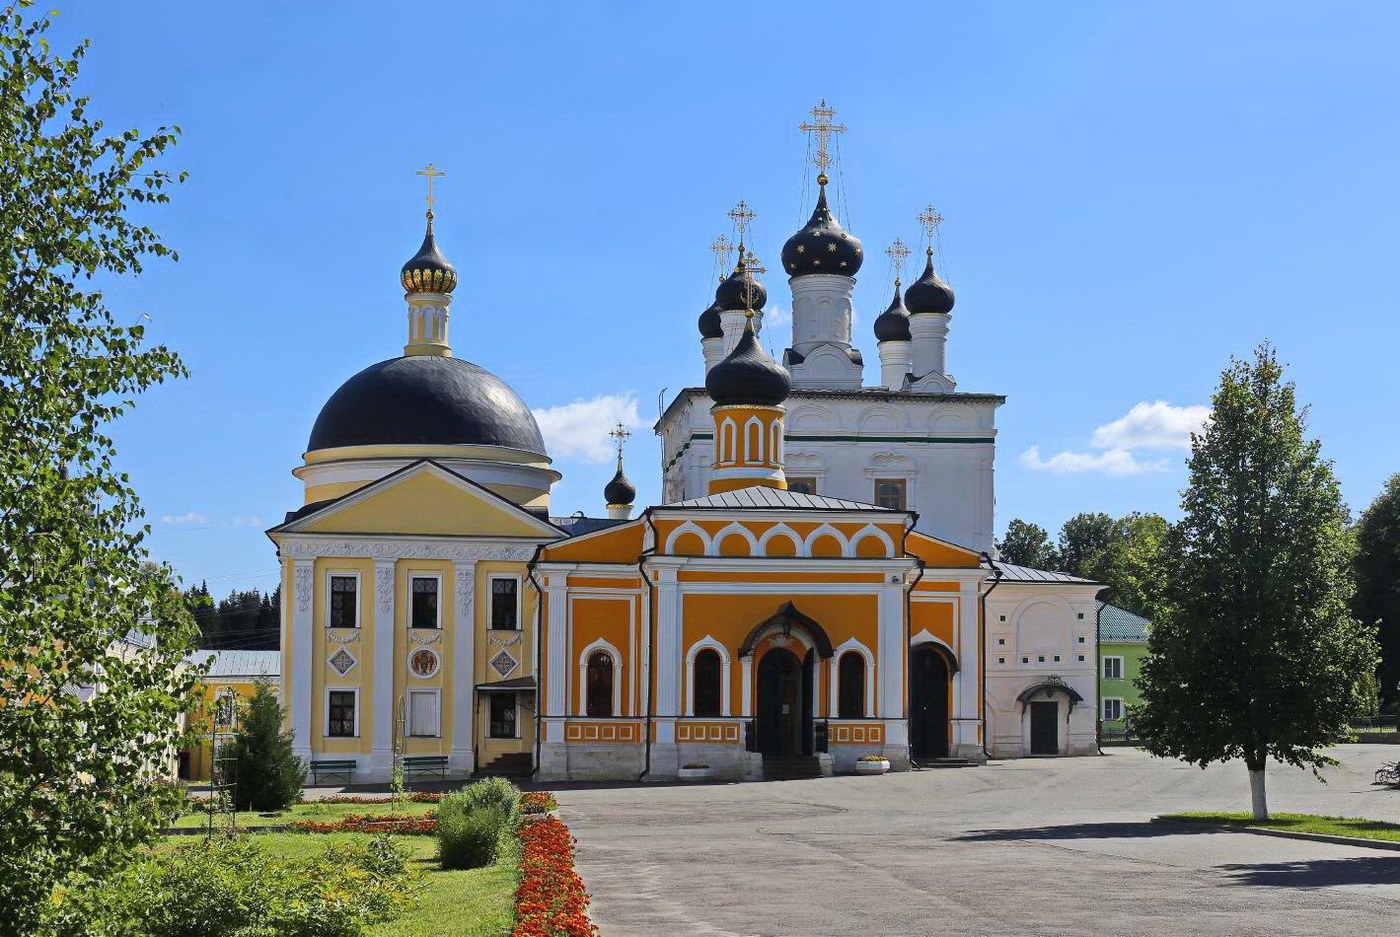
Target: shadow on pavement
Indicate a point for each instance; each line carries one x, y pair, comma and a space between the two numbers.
1317, 873
1122, 830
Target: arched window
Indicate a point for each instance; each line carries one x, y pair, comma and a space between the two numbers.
707, 682
851, 678
600, 685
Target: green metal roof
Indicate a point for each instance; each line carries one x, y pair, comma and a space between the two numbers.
1121, 625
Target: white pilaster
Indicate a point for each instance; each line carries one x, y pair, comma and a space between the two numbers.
557, 691
746, 687
460, 756
300, 700
893, 654
968, 691
381, 753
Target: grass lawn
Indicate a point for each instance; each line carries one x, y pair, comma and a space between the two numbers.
311, 810
1302, 823
471, 902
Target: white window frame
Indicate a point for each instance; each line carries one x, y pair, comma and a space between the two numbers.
434, 691
409, 611
706, 642
602, 644
1122, 708
491, 602
490, 699
326, 712
359, 585
1121, 667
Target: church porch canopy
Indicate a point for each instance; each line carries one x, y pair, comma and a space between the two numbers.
783, 620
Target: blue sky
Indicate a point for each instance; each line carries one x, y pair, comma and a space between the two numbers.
1133, 193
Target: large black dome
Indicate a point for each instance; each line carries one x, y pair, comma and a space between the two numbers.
822, 246
748, 376
929, 293
426, 399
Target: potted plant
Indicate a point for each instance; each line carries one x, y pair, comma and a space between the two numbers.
872, 764
695, 772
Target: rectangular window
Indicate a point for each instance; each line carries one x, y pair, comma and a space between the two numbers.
423, 714
504, 605
502, 715
425, 601
889, 493
1113, 668
340, 716
1112, 710
806, 486
344, 607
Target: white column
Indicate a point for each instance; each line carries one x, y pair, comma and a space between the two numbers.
893, 652
460, 758
968, 691
381, 753
554, 753
299, 699
665, 760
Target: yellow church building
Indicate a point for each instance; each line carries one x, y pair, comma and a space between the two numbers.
436, 611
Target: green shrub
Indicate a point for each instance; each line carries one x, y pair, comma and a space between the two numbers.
473, 840
491, 791
229, 887
269, 776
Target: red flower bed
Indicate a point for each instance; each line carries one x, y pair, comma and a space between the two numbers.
551, 900
412, 797
538, 802
409, 824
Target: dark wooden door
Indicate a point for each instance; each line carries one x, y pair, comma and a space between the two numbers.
1045, 728
928, 704
779, 707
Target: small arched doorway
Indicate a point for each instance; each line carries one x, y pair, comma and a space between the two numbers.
784, 703
928, 703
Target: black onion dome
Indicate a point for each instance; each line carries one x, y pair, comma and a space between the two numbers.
426, 399
428, 271
892, 325
928, 293
822, 246
620, 490
739, 287
710, 324
748, 376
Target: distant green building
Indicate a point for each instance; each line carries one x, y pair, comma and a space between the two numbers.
1122, 646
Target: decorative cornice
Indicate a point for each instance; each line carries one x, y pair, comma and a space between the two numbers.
302, 547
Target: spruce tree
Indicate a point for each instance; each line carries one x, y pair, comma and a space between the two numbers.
1377, 565
269, 776
1254, 653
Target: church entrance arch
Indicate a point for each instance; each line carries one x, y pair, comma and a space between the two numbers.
784, 708
928, 703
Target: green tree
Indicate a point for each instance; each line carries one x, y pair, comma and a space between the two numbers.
1254, 653
269, 776
1027, 544
1132, 564
92, 635
1084, 543
1377, 567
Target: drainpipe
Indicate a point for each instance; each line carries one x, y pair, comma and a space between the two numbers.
651, 630
1098, 675
539, 657
908, 654
982, 646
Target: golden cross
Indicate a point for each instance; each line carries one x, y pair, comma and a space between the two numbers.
751, 264
721, 247
823, 128
432, 172
620, 434
897, 252
742, 215
930, 219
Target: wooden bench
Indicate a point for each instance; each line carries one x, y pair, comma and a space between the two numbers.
424, 765
343, 768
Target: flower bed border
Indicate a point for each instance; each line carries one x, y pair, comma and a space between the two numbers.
551, 900
409, 824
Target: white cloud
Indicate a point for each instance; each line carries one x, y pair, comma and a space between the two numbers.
252, 520
182, 520
1111, 462
580, 429
1156, 425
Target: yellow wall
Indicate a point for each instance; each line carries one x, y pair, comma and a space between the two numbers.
426, 504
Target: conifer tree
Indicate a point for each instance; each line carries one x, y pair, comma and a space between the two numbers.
1255, 653
269, 776
1377, 565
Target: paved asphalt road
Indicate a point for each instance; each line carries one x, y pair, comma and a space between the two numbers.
1048, 846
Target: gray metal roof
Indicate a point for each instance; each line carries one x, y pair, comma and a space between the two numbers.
1013, 573
576, 526
252, 664
761, 496
1119, 624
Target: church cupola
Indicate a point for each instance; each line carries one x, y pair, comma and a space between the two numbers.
892, 329
428, 281
740, 294
930, 304
620, 492
712, 335
821, 262
428, 271
748, 389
